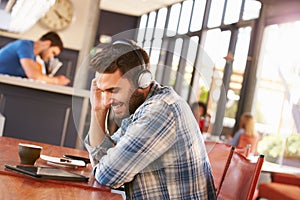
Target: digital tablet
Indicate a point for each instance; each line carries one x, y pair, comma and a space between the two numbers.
47, 173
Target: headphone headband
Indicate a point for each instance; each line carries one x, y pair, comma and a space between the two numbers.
144, 77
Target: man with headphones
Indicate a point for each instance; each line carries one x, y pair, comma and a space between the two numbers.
158, 151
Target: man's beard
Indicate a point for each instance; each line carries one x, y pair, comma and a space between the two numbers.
42, 57
136, 99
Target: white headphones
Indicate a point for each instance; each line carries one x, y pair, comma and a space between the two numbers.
144, 77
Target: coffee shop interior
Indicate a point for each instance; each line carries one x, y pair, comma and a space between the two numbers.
235, 56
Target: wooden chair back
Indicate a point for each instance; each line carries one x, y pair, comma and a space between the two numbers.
219, 155
241, 178
247, 140
243, 150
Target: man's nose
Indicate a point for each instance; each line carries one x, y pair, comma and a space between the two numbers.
107, 98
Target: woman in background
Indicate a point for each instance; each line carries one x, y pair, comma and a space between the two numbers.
246, 133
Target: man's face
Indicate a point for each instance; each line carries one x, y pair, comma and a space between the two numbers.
49, 53
119, 94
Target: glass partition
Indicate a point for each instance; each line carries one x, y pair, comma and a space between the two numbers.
277, 105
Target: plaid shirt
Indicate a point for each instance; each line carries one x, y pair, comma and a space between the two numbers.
159, 152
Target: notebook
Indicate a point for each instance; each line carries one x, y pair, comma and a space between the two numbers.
47, 173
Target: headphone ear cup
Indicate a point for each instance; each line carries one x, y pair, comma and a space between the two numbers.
144, 79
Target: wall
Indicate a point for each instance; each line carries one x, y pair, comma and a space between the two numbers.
111, 23
281, 11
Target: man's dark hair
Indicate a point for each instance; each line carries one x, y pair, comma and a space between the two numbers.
110, 57
54, 38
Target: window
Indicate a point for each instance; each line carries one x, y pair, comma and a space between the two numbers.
251, 9
233, 10
279, 79
173, 21
215, 13
198, 14
184, 21
277, 94
189, 47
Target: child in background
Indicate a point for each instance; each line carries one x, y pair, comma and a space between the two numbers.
200, 112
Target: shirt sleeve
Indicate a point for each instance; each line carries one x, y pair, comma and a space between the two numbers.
150, 134
97, 152
25, 50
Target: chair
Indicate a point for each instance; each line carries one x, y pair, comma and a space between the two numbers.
219, 155
2, 121
241, 178
244, 150
246, 140
283, 186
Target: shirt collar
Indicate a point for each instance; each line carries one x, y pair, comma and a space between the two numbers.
153, 89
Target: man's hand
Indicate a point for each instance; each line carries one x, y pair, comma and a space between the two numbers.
95, 96
33, 72
98, 115
61, 80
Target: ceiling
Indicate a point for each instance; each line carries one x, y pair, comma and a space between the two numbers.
140, 7
134, 7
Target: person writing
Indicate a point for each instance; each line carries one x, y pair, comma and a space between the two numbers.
246, 133
157, 153
18, 58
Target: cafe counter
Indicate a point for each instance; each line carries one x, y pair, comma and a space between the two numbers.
42, 112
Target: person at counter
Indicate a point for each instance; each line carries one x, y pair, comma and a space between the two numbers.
158, 152
18, 58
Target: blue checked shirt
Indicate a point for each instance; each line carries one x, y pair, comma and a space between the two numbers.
157, 153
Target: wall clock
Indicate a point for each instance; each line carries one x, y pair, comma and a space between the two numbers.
59, 16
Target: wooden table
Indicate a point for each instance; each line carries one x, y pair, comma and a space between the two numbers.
19, 186
270, 167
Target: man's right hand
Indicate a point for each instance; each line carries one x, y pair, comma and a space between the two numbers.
96, 98
98, 115
33, 72
61, 80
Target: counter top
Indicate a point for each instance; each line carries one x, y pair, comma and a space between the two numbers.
30, 83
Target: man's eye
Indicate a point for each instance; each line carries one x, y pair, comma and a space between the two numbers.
116, 90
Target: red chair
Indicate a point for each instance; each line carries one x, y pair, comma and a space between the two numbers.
241, 178
283, 186
219, 155
243, 150
246, 140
